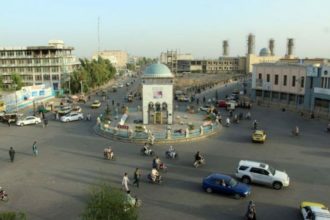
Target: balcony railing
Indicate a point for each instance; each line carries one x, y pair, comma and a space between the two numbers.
322, 91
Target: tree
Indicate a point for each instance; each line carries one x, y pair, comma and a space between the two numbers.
107, 203
92, 73
12, 216
1, 82
16, 80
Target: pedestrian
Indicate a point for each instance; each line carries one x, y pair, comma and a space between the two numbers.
113, 102
35, 149
204, 99
57, 116
46, 122
125, 182
137, 175
8, 122
12, 154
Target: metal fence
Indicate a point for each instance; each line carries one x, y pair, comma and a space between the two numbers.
160, 136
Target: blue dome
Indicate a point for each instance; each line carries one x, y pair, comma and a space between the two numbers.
157, 70
264, 52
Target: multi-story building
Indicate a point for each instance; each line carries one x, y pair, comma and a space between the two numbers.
50, 65
118, 58
304, 86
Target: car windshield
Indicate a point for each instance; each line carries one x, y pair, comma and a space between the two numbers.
271, 170
232, 182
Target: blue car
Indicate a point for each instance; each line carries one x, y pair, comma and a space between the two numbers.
224, 184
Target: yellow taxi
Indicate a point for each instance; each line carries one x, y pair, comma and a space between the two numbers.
313, 210
96, 104
259, 136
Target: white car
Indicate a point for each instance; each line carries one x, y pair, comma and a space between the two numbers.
28, 121
72, 116
315, 211
120, 85
262, 173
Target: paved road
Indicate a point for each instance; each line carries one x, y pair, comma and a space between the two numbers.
55, 184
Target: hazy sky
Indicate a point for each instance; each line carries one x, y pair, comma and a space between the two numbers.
147, 27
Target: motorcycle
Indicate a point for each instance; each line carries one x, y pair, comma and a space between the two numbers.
108, 155
171, 155
295, 132
162, 167
158, 180
4, 196
149, 152
198, 163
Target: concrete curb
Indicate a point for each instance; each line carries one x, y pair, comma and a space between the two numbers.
107, 135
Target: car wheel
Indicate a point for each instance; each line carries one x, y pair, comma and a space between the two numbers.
80, 118
22, 124
237, 196
246, 180
208, 190
277, 185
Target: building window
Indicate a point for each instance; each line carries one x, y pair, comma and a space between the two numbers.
293, 81
38, 77
325, 72
260, 76
276, 79
55, 77
268, 78
46, 77
285, 78
302, 82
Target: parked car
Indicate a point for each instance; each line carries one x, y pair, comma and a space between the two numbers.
183, 98
96, 104
28, 121
224, 184
76, 109
262, 173
314, 211
259, 136
10, 117
120, 85
82, 98
205, 108
72, 116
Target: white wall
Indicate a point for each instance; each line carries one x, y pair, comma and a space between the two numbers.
149, 94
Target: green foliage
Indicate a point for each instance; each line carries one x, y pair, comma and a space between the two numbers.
12, 216
107, 203
16, 80
130, 66
1, 82
92, 73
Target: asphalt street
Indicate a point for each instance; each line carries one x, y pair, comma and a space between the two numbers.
55, 184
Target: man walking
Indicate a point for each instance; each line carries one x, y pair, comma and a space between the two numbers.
137, 175
125, 182
35, 149
12, 154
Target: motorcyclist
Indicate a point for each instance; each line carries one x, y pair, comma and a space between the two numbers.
108, 153
146, 148
198, 159
2, 193
248, 115
255, 124
154, 175
251, 211
296, 131
171, 152
227, 121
